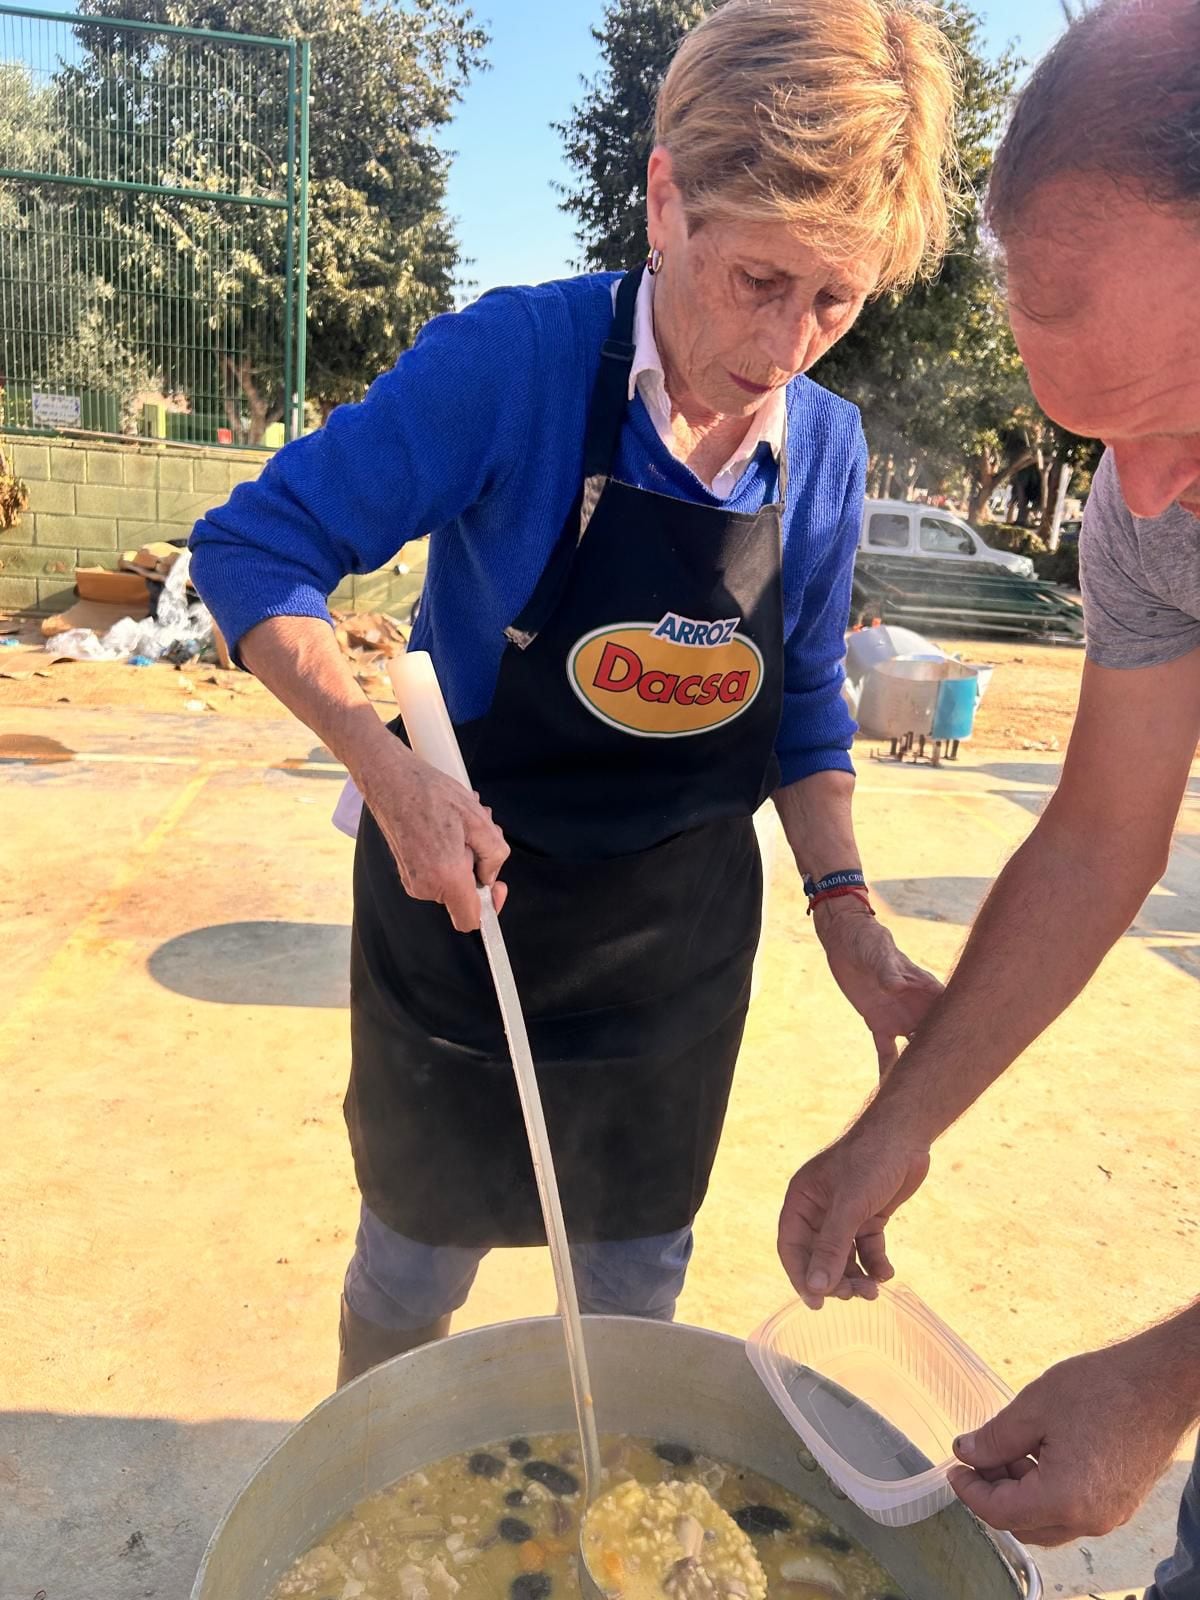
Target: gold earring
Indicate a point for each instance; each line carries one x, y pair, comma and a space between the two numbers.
654, 264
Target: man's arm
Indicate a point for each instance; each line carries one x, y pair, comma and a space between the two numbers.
1068, 894
1061, 903
1077, 1452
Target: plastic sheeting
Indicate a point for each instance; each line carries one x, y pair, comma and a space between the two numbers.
178, 630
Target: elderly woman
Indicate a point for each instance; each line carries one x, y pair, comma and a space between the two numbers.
643, 526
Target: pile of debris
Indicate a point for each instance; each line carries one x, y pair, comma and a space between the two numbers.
368, 639
148, 610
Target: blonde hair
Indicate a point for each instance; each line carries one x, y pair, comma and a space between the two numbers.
835, 116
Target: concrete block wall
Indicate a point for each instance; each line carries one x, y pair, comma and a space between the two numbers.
89, 501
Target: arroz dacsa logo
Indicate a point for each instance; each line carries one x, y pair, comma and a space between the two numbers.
668, 679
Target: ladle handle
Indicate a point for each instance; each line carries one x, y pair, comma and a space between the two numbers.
426, 720
432, 737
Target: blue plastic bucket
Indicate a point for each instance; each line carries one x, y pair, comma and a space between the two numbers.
954, 714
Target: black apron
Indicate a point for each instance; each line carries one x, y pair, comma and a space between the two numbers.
629, 742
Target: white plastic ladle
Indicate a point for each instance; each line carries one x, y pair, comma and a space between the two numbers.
431, 736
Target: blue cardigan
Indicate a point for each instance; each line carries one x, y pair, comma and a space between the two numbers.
476, 436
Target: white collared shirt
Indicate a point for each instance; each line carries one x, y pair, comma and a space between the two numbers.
766, 426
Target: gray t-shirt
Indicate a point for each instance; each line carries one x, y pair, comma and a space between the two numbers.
1140, 577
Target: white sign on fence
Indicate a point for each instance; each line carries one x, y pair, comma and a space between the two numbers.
56, 410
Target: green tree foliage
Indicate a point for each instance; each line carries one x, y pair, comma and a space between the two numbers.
206, 281
54, 333
609, 136
935, 371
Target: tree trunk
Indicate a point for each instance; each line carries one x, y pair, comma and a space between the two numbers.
1002, 477
1044, 469
261, 417
1051, 494
983, 489
234, 418
1051, 529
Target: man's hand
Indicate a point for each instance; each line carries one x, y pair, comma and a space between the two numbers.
890, 993
831, 1230
1078, 1451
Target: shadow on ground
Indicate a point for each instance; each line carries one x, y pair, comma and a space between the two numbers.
143, 1497
1045, 775
957, 901
1184, 956
318, 763
258, 964
1034, 801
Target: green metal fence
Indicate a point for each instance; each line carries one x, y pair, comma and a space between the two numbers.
153, 229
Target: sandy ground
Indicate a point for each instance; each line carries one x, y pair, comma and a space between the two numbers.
1030, 703
176, 1198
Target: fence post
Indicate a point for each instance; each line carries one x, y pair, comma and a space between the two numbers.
289, 312
302, 306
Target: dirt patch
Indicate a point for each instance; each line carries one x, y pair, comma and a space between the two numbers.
198, 689
1031, 700
32, 747
1030, 704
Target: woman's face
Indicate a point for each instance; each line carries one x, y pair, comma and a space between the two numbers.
740, 309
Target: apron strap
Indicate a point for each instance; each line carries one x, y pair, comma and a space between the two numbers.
606, 414
610, 397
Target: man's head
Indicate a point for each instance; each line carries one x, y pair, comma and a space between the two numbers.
1095, 198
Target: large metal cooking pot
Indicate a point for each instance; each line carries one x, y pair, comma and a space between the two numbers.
651, 1379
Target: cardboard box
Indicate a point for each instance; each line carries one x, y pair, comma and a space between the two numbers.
94, 614
114, 589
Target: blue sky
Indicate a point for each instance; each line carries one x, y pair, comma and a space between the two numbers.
508, 157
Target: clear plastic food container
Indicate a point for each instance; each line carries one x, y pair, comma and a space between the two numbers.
878, 1391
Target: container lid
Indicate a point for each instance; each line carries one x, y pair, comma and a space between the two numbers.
878, 1391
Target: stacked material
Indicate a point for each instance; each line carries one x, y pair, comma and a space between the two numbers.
953, 597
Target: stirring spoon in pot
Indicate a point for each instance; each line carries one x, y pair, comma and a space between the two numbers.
556, 1233
431, 736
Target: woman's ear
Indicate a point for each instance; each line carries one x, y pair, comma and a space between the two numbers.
662, 197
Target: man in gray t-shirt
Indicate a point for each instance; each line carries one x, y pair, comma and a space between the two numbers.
1095, 198
1141, 579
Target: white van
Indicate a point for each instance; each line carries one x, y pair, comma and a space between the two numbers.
905, 528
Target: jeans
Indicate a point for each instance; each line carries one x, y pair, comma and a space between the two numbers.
1179, 1578
398, 1283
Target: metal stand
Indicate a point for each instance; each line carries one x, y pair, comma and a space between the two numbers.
917, 747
